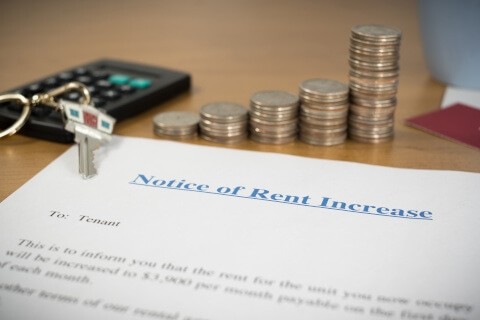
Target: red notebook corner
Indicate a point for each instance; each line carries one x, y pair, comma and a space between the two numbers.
458, 123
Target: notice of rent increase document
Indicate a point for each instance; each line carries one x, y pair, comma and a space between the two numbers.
184, 232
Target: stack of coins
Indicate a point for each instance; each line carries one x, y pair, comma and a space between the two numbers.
223, 122
323, 112
374, 71
176, 124
273, 117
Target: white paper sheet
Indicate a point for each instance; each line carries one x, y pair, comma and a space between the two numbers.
454, 95
238, 235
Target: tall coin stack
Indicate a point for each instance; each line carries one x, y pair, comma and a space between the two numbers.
223, 122
374, 71
273, 117
323, 112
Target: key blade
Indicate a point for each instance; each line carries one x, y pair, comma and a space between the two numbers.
88, 141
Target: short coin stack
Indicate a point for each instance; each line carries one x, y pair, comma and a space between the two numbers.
176, 124
273, 117
223, 122
374, 71
323, 112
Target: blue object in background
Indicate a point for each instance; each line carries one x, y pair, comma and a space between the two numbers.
451, 40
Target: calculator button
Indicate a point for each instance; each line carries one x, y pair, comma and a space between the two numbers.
140, 83
119, 79
111, 95
92, 90
51, 82
81, 71
73, 96
99, 74
65, 76
86, 80
104, 84
126, 89
34, 88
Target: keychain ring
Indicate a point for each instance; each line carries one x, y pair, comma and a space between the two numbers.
27, 108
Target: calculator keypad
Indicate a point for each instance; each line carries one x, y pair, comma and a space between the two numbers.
122, 89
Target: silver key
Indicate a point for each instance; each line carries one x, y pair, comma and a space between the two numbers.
88, 141
92, 128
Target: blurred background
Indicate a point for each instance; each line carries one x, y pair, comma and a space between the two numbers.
239, 43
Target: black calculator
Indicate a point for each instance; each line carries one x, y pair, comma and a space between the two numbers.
121, 89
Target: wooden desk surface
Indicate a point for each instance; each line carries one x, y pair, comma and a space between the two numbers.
232, 49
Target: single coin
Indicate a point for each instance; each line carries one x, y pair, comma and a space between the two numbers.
372, 111
176, 119
274, 99
382, 45
371, 139
225, 140
323, 141
223, 112
324, 87
375, 32
272, 140
319, 122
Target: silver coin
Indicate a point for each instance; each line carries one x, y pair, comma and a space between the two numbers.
375, 52
176, 132
223, 112
374, 103
371, 112
376, 66
324, 130
176, 119
373, 81
376, 32
381, 120
324, 88
381, 45
357, 89
371, 128
279, 123
286, 112
228, 140
366, 57
315, 114
323, 106
368, 74
369, 134
272, 140
368, 84
274, 134
323, 141
371, 139
330, 100
222, 135
274, 99
175, 136
226, 127
272, 117
309, 121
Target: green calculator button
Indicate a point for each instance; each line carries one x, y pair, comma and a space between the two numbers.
118, 79
140, 83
